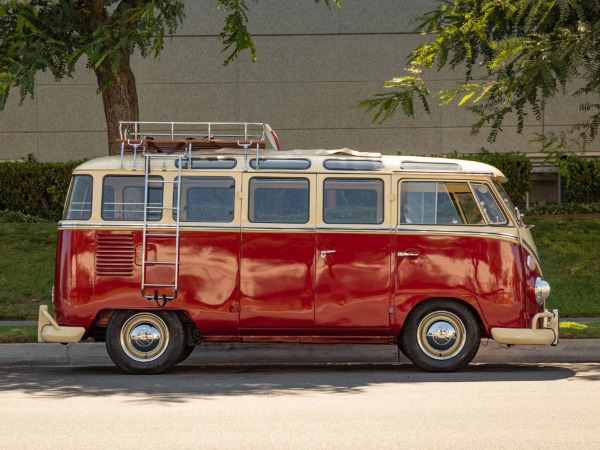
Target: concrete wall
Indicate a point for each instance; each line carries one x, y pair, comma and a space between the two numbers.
313, 66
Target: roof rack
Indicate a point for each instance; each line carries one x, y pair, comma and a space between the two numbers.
176, 137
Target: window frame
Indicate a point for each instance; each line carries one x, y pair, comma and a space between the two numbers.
67, 206
217, 163
469, 183
230, 179
499, 204
122, 211
380, 210
279, 164
353, 165
250, 209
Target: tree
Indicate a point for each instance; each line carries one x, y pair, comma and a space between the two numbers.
514, 54
53, 35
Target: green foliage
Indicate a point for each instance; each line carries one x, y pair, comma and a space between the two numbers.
34, 189
406, 89
514, 54
564, 209
235, 34
515, 166
52, 35
581, 177
8, 216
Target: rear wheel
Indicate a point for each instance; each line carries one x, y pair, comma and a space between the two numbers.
143, 342
441, 336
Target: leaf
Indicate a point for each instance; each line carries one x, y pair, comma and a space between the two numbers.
530, 50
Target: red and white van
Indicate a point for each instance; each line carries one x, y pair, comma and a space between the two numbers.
197, 233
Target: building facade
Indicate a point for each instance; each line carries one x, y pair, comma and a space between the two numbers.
314, 65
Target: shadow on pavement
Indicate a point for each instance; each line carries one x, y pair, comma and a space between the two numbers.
185, 383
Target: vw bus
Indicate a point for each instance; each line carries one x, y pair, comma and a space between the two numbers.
198, 233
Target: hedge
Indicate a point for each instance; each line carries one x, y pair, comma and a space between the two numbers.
34, 188
515, 166
581, 178
564, 208
7, 216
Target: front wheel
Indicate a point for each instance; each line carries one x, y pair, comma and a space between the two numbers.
441, 336
143, 342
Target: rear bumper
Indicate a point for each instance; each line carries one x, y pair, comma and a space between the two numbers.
546, 335
50, 331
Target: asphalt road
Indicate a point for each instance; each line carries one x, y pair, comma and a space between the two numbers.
334, 406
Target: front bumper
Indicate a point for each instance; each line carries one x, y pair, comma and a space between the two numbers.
50, 331
546, 335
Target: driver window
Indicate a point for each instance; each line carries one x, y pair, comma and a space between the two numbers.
438, 203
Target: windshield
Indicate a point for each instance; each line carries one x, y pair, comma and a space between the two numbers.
509, 205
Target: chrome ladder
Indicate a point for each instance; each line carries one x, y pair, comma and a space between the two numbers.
151, 287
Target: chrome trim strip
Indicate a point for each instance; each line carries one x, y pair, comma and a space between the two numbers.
407, 254
356, 228
454, 231
279, 228
399, 230
138, 226
447, 172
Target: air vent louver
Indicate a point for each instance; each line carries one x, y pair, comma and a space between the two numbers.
115, 255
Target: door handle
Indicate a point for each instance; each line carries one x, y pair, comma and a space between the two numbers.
324, 253
408, 253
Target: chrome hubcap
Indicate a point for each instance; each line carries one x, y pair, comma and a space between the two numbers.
441, 335
144, 337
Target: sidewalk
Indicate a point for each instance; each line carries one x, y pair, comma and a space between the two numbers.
86, 354
94, 354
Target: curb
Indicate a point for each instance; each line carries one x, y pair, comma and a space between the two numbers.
94, 354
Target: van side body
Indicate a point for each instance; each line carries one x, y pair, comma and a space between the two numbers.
294, 247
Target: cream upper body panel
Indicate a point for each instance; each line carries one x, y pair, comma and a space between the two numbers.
320, 161
324, 166
529, 244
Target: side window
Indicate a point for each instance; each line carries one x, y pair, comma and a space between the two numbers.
79, 204
108, 196
123, 198
488, 204
279, 200
206, 199
441, 203
353, 201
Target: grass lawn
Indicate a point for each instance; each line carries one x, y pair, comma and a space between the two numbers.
27, 253
570, 253
569, 248
579, 330
18, 335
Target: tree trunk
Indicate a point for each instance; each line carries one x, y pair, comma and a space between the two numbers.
119, 98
